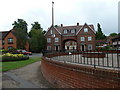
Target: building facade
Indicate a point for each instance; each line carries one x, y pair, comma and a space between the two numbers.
9, 40
77, 37
116, 41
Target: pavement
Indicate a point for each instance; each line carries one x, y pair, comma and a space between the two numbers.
29, 76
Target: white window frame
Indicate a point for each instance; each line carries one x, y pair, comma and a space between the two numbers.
65, 31
72, 30
82, 38
90, 46
48, 47
56, 39
90, 38
48, 40
85, 29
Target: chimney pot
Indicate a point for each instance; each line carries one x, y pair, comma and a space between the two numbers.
77, 24
61, 25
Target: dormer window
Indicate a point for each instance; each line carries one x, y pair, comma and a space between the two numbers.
65, 31
85, 29
72, 30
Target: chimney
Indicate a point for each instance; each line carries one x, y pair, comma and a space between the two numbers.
77, 24
61, 25
52, 13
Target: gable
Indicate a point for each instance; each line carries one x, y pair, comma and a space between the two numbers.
90, 29
10, 35
52, 30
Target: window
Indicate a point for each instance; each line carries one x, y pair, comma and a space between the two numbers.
10, 47
73, 31
89, 47
48, 40
82, 38
85, 29
56, 39
10, 40
89, 38
48, 47
51, 32
65, 31
3, 42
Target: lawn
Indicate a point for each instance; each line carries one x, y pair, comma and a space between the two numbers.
17, 64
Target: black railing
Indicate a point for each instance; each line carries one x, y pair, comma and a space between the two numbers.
108, 59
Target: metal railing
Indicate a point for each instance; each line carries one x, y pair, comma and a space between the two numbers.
107, 59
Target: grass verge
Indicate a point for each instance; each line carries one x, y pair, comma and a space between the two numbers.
17, 64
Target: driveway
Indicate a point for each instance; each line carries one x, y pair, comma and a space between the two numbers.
29, 76
36, 55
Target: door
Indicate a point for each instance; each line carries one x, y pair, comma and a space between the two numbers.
56, 48
83, 48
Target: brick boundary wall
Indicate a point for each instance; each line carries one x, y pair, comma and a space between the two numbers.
64, 75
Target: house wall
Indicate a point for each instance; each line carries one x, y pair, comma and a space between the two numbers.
86, 35
0, 44
14, 44
6, 44
53, 43
74, 37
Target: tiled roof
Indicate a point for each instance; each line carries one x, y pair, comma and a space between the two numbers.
3, 34
77, 28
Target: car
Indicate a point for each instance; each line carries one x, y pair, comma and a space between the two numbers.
24, 52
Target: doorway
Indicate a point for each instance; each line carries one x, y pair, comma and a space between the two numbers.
83, 48
56, 48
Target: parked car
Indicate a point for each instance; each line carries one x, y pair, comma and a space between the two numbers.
24, 52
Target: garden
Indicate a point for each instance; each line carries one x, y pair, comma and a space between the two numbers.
9, 61
13, 57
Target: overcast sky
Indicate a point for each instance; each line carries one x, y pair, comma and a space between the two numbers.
67, 12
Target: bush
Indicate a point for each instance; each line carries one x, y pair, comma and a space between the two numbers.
13, 57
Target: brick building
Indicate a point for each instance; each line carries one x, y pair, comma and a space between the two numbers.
116, 41
9, 40
77, 37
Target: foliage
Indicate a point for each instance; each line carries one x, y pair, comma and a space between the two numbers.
37, 41
99, 33
13, 57
17, 64
20, 27
103, 48
113, 34
3, 51
11, 50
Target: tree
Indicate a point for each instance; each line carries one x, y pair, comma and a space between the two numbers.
99, 33
37, 41
113, 34
20, 27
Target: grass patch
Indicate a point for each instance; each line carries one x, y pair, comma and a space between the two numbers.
17, 64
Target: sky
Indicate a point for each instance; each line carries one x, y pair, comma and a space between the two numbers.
66, 12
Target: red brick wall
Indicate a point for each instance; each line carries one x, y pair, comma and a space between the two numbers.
6, 45
75, 76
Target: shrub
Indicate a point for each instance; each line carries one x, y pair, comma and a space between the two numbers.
13, 57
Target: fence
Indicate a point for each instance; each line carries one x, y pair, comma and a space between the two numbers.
106, 59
